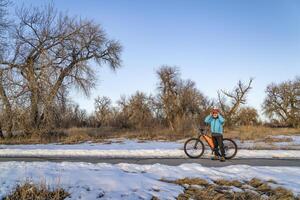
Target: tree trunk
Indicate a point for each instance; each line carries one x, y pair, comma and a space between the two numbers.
7, 109
47, 120
1, 134
29, 75
34, 110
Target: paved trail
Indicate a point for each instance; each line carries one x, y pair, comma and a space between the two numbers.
165, 161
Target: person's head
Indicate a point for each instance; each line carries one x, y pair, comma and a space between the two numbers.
215, 112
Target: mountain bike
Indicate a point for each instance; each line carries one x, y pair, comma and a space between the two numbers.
194, 147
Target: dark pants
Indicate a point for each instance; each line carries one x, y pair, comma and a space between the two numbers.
218, 143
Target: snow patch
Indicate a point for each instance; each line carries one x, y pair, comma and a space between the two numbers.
130, 181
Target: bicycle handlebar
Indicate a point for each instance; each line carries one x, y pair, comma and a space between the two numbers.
203, 131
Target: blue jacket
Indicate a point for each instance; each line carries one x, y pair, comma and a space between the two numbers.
216, 124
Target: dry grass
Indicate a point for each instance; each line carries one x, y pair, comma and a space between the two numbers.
260, 133
76, 135
29, 191
270, 139
189, 181
52, 137
21, 140
79, 135
254, 189
224, 182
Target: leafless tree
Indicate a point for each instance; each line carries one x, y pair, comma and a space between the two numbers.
122, 113
168, 84
230, 102
183, 104
156, 107
134, 112
247, 116
73, 116
192, 105
283, 102
140, 114
80, 117
103, 110
52, 51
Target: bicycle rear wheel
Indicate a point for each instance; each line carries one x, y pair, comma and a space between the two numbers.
194, 148
230, 148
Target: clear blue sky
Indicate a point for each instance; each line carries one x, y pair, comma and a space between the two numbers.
215, 43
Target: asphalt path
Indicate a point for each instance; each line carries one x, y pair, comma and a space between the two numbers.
165, 161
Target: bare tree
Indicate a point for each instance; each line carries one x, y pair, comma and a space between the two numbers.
229, 102
168, 83
53, 51
156, 107
247, 116
103, 110
122, 114
183, 104
192, 105
140, 114
283, 102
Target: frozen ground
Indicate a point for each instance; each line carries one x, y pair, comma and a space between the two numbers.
138, 149
129, 181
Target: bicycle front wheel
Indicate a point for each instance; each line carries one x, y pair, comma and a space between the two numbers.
230, 148
194, 148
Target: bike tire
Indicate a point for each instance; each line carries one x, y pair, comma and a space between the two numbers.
235, 148
197, 142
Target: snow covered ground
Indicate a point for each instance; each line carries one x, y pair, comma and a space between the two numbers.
130, 181
132, 148
292, 144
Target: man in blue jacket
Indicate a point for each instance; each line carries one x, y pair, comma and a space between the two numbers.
216, 121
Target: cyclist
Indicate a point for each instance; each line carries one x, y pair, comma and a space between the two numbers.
216, 121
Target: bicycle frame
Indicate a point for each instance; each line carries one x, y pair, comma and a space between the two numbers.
207, 138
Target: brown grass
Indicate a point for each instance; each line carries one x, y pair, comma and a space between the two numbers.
79, 135
28, 191
76, 135
222, 190
270, 139
224, 182
259, 133
189, 181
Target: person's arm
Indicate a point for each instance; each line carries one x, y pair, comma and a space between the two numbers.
208, 119
221, 118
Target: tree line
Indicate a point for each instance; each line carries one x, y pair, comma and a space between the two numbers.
45, 53
179, 105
